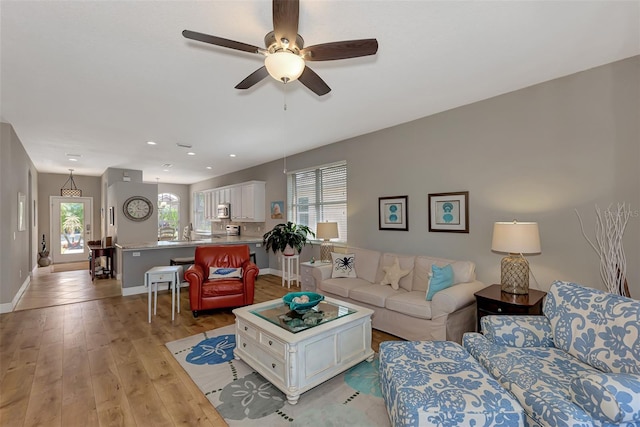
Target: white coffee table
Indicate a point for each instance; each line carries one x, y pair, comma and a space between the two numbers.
295, 362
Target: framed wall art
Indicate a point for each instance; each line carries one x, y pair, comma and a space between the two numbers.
277, 210
22, 212
393, 213
449, 212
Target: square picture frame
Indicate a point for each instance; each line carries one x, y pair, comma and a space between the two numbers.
449, 212
393, 213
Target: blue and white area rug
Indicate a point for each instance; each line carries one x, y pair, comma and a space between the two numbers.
244, 398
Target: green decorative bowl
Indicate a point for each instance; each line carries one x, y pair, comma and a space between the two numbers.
299, 307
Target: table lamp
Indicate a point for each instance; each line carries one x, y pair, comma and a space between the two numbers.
326, 231
515, 238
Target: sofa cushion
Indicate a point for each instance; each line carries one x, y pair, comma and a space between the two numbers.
410, 303
406, 263
366, 263
343, 265
584, 321
463, 271
441, 278
540, 378
342, 287
437, 383
393, 274
374, 294
610, 398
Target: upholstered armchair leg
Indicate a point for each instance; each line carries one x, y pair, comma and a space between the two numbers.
195, 313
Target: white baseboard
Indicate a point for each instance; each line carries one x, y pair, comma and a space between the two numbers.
9, 306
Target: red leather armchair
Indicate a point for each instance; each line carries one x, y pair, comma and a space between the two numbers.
205, 294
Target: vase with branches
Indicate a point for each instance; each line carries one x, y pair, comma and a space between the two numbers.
610, 226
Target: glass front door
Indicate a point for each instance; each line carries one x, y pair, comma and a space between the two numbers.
70, 228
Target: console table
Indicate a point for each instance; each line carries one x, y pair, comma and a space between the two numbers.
98, 251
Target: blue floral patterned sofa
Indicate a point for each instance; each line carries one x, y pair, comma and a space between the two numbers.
578, 365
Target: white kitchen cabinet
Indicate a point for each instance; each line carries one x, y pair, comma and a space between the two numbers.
247, 201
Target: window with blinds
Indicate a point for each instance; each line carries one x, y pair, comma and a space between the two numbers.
319, 195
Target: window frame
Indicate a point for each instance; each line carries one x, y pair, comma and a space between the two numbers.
319, 205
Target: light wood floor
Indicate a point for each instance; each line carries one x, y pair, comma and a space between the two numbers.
48, 288
99, 363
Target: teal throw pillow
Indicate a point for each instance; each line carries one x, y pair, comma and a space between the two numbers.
441, 278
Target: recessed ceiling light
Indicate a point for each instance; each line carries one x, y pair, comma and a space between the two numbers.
232, 155
73, 159
209, 167
191, 153
151, 143
165, 170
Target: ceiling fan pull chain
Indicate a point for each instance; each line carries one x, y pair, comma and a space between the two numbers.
284, 127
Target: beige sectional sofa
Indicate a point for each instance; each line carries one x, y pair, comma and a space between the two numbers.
405, 312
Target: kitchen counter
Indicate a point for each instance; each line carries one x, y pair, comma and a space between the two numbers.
134, 259
221, 239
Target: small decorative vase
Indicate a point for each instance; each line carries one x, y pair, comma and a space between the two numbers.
44, 259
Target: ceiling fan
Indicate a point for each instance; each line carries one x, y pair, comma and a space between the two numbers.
285, 54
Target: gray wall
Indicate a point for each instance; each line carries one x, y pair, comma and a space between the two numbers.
532, 155
126, 231
18, 249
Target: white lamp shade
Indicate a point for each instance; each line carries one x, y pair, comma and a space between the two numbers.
284, 66
516, 237
327, 230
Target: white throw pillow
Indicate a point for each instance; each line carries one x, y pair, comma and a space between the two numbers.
225, 273
393, 274
343, 265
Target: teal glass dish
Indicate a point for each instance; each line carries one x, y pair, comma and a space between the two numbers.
314, 299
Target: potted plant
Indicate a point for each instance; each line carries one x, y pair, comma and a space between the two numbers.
287, 238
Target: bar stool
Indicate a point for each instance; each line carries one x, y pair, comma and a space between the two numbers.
289, 275
155, 275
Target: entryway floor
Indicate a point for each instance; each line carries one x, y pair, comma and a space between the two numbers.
49, 289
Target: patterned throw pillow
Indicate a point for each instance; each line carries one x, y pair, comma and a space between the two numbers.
225, 273
440, 278
344, 265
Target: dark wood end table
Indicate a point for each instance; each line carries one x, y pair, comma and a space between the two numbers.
97, 251
491, 300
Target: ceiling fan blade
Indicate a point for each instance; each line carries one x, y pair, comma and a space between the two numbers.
253, 78
219, 41
313, 81
285, 20
340, 50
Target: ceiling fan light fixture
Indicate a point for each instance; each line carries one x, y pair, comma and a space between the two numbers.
284, 66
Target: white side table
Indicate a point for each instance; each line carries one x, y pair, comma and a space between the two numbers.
306, 275
171, 274
288, 273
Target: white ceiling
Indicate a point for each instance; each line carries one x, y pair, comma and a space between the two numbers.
100, 78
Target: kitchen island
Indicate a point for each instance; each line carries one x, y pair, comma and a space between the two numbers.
134, 259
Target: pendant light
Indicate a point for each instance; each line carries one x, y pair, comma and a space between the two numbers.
72, 190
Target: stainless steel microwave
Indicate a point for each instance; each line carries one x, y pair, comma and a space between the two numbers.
223, 211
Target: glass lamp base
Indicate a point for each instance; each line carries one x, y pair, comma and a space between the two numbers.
514, 277
325, 251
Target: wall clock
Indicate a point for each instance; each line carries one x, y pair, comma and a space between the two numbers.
137, 208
